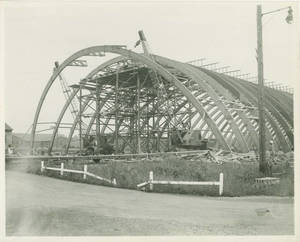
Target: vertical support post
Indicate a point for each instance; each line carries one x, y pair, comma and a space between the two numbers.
157, 140
148, 120
131, 133
221, 184
98, 116
42, 166
117, 112
190, 109
151, 180
138, 86
263, 167
169, 136
84, 171
80, 116
168, 119
154, 145
61, 169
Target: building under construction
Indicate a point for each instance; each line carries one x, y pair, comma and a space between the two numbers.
143, 103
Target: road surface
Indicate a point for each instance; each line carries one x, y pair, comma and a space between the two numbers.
43, 206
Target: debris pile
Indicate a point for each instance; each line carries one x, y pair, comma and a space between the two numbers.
284, 158
211, 156
220, 157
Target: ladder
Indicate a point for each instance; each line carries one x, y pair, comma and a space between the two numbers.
73, 107
67, 92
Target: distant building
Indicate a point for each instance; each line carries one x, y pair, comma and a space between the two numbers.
8, 137
22, 142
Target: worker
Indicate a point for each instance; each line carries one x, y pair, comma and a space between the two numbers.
273, 151
10, 149
256, 154
270, 156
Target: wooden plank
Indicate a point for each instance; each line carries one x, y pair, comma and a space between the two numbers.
186, 182
73, 171
267, 180
61, 169
42, 166
151, 180
142, 184
221, 184
84, 171
98, 177
64, 170
52, 168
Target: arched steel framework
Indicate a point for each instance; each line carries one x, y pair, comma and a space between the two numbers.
224, 108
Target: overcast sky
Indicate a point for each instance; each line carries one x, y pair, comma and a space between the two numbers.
36, 35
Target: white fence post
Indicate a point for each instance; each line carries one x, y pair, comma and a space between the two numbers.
221, 184
84, 171
151, 180
61, 169
42, 166
114, 181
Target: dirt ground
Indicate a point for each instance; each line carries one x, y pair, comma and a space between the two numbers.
43, 206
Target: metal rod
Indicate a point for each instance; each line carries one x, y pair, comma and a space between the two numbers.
214, 63
98, 116
220, 68
153, 125
230, 71
196, 61
190, 110
80, 112
253, 77
277, 10
117, 113
138, 114
148, 119
241, 75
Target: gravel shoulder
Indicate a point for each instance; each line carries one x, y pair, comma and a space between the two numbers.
43, 206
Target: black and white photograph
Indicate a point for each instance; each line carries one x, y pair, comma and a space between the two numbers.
149, 118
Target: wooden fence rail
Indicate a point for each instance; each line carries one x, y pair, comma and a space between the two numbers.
84, 172
152, 182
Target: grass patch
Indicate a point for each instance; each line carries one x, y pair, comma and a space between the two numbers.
239, 178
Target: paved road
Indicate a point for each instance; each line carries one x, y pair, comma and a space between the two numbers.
38, 205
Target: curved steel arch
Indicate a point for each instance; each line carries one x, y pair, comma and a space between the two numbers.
247, 123
76, 121
196, 77
158, 120
247, 90
243, 130
278, 118
131, 55
74, 93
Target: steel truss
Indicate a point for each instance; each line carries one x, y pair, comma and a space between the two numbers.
119, 101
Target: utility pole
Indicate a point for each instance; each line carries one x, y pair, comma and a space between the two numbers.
263, 166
